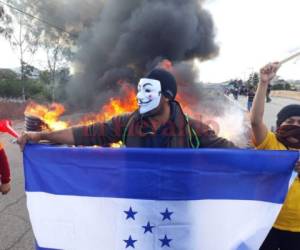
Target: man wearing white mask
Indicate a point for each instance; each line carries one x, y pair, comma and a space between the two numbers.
159, 122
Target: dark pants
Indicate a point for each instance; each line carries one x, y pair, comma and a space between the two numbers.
283, 240
249, 105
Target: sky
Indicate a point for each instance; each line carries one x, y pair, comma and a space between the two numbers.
250, 33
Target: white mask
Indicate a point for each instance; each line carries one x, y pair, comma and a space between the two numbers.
148, 95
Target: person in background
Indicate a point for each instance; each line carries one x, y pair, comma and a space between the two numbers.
4, 172
251, 94
235, 93
285, 233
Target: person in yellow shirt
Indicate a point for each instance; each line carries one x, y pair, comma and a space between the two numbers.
285, 233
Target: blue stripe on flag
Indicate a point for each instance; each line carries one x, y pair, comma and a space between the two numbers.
43, 248
159, 174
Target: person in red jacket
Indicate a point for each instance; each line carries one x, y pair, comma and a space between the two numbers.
4, 172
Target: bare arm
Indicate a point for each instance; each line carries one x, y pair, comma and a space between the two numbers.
259, 129
64, 136
61, 136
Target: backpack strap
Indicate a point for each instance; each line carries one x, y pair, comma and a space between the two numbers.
125, 132
193, 137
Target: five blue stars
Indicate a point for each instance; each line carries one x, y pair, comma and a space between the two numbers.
130, 214
166, 215
130, 242
165, 241
148, 228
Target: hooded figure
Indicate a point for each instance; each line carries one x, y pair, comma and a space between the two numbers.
288, 126
152, 87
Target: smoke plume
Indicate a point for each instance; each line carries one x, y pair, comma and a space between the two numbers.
122, 40
117, 41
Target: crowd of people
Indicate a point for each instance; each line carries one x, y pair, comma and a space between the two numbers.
160, 122
237, 88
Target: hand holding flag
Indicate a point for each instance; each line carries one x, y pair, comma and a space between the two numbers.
153, 199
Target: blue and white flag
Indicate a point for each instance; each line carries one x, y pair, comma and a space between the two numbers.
154, 199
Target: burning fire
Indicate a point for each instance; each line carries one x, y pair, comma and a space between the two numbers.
114, 107
49, 115
127, 103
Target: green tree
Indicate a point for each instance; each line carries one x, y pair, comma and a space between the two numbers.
5, 23
27, 33
11, 87
281, 84
56, 62
250, 80
62, 76
23, 23
21, 36
255, 79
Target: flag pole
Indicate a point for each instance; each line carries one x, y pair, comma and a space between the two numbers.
289, 58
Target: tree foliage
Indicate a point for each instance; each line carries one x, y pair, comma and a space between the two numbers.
253, 79
38, 87
12, 88
5, 23
27, 33
281, 84
22, 38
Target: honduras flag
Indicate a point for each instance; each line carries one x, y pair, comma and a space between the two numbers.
154, 199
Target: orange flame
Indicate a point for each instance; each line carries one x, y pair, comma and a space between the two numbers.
48, 114
126, 103
114, 107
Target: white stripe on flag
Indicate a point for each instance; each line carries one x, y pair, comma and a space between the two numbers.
80, 223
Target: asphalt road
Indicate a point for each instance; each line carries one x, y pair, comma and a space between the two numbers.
271, 109
15, 228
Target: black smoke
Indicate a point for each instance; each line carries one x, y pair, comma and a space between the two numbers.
121, 40
117, 41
